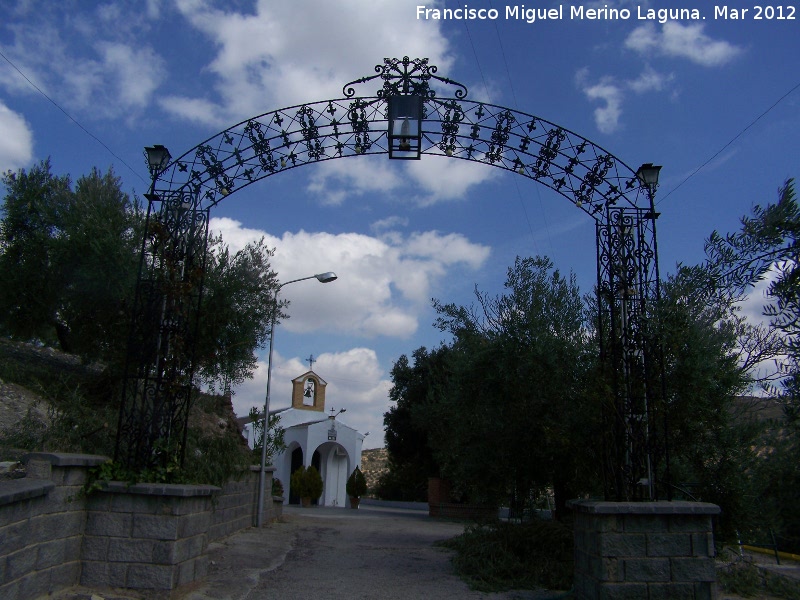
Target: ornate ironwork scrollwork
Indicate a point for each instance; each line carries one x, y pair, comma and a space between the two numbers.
627, 285
406, 77
157, 387
593, 179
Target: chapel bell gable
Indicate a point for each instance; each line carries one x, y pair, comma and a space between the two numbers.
308, 392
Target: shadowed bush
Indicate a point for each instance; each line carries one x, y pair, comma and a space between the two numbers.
505, 556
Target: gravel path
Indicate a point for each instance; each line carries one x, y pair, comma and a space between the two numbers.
340, 553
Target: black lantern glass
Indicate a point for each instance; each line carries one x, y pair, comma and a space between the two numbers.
158, 158
648, 174
405, 127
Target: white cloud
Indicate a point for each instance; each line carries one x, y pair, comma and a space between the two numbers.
355, 382
449, 249
16, 143
135, 73
270, 57
389, 223
434, 179
673, 40
444, 179
752, 306
611, 92
682, 41
384, 283
86, 64
607, 91
336, 180
650, 80
195, 110
235, 236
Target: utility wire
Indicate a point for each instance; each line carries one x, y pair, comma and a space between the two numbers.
736, 137
71, 118
516, 182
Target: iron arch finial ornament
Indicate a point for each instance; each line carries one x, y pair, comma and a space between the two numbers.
406, 77
426, 122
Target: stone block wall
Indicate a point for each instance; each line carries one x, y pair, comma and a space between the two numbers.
42, 521
234, 508
145, 536
650, 550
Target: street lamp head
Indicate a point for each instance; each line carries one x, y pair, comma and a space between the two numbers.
158, 158
326, 277
648, 174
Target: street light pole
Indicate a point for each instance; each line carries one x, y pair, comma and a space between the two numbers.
322, 278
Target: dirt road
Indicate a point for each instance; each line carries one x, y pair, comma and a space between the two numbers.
341, 553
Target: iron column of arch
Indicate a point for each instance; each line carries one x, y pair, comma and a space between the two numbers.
635, 450
589, 176
157, 380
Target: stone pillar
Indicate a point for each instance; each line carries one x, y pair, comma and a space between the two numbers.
635, 550
438, 490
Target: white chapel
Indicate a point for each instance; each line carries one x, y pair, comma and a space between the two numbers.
313, 437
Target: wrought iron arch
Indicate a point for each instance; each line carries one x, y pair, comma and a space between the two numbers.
160, 363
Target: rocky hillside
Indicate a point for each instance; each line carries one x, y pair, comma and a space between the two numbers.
32, 378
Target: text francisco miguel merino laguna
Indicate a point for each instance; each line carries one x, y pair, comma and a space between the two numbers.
580, 13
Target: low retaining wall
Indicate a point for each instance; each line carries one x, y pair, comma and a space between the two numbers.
439, 504
654, 550
469, 512
42, 521
145, 536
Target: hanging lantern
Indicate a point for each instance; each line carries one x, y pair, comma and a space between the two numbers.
405, 127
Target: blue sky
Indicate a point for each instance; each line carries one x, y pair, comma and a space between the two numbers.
715, 101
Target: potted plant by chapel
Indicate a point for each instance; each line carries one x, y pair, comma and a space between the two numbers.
307, 484
356, 487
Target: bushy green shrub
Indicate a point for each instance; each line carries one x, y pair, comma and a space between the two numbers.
742, 576
214, 459
307, 483
356, 484
504, 556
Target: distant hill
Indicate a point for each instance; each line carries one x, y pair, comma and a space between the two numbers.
374, 463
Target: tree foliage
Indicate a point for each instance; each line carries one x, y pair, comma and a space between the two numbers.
520, 368
766, 248
356, 484
513, 405
238, 302
306, 482
275, 434
503, 411
710, 434
69, 259
410, 457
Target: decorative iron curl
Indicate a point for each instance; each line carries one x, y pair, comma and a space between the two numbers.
406, 77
